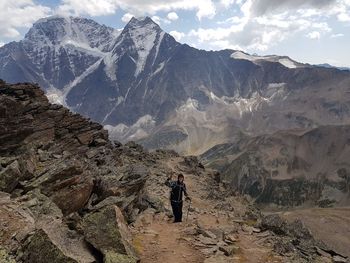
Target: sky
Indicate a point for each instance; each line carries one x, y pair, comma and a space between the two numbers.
309, 31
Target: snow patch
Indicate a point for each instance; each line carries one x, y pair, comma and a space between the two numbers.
110, 66
140, 129
144, 38
285, 61
55, 96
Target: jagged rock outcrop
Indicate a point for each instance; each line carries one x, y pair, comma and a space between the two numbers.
63, 175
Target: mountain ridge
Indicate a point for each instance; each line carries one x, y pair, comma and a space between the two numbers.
145, 86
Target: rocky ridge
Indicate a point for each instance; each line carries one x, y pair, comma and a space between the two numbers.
68, 194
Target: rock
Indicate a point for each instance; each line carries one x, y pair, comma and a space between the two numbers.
206, 233
66, 185
74, 195
206, 240
256, 230
99, 142
192, 165
85, 138
16, 223
112, 257
106, 230
229, 250
5, 257
230, 239
43, 155
40, 249
9, 177
339, 259
274, 223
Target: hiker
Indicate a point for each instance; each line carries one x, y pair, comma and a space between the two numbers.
177, 188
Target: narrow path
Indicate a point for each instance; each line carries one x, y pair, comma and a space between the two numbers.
158, 240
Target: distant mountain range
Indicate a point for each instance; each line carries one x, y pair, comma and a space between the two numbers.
326, 65
143, 85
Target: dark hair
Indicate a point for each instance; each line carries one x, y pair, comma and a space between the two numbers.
180, 176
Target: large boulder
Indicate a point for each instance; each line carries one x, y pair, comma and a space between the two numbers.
106, 231
40, 249
66, 183
9, 177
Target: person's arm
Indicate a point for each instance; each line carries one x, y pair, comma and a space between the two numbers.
169, 182
185, 192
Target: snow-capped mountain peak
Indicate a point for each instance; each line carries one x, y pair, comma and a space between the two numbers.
139, 38
141, 22
60, 30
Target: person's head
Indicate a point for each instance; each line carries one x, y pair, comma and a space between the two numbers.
180, 178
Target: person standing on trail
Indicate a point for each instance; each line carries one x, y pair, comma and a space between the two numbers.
178, 188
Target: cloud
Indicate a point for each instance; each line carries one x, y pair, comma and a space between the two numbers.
337, 35
1, 44
227, 3
177, 35
88, 7
156, 19
172, 16
19, 14
126, 17
261, 24
203, 8
344, 17
262, 7
314, 35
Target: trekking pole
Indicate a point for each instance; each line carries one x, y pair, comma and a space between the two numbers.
188, 210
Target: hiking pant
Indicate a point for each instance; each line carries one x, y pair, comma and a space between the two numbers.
177, 210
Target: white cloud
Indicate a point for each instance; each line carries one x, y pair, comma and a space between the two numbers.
263, 7
156, 19
172, 16
126, 17
344, 17
177, 35
19, 14
314, 35
265, 23
88, 7
203, 8
337, 35
227, 3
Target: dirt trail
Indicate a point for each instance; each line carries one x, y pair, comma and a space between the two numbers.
157, 239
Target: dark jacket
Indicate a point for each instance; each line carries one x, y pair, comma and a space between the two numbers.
177, 190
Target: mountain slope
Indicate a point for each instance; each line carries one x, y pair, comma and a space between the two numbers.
288, 168
143, 85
